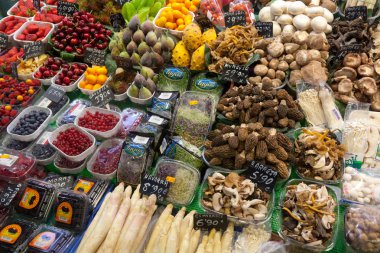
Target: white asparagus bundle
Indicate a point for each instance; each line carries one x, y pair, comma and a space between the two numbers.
217, 243
132, 237
185, 232
202, 246
210, 243
163, 239
104, 223
227, 237
109, 243
194, 241
172, 245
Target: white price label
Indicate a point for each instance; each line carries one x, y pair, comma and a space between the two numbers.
165, 95
140, 140
156, 120
45, 102
8, 160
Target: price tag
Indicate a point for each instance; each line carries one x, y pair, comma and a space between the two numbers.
94, 56
234, 18
153, 185
3, 41
7, 196
61, 182
156, 120
235, 73
117, 21
210, 221
33, 49
263, 176
141, 140
265, 29
54, 93
102, 96
14, 72
37, 4
355, 12
353, 48
66, 8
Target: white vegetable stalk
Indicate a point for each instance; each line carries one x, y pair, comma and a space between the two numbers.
172, 245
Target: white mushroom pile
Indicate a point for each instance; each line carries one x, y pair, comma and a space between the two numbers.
358, 80
236, 196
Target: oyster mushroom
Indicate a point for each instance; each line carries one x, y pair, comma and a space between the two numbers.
345, 86
307, 234
320, 163
247, 187
327, 221
345, 72
249, 203
216, 178
234, 194
367, 85
352, 60
366, 70
217, 201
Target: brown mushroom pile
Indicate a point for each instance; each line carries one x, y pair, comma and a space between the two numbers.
234, 147
308, 214
319, 155
250, 104
375, 35
235, 195
358, 80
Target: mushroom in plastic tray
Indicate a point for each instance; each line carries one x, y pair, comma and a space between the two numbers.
236, 196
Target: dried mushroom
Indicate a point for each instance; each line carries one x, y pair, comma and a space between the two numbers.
251, 104
236, 196
319, 155
357, 80
234, 147
308, 214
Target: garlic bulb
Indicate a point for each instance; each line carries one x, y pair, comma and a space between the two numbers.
301, 22
319, 24
296, 7
265, 15
285, 19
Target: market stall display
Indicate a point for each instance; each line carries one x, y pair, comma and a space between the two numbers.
189, 126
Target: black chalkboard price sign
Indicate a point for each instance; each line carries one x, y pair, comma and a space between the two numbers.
235, 73
353, 48
102, 96
3, 41
54, 93
117, 21
234, 18
265, 29
94, 56
9, 193
210, 221
37, 4
262, 175
33, 49
61, 182
355, 12
66, 8
153, 185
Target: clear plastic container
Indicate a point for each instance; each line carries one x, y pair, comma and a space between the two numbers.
86, 91
176, 33
66, 166
173, 79
302, 247
360, 187
77, 158
15, 166
47, 81
258, 220
48, 239
10, 35
68, 88
10, 143
72, 210
213, 10
56, 108
362, 229
37, 132
10, 11
73, 111
36, 199
103, 164
45, 10
194, 117
14, 234
246, 6
131, 118
184, 180
42, 150
25, 42
92, 187
207, 82
99, 134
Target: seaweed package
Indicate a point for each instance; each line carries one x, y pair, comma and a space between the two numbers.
173, 79
136, 157
181, 150
207, 82
194, 116
163, 103
14, 235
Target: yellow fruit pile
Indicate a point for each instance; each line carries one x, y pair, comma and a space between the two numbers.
28, 66
94, 78
175, 17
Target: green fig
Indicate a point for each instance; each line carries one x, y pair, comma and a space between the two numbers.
124, 54
112, 44
147, 72
134, 91
151, 39
135, 58
144, 93
158, 33
157, 59
157, 47
150, 85
147, 26
131, 47
115, 51
134, 23
146, 59
139, 80
167, 43
143, 48
127, 36
138, 36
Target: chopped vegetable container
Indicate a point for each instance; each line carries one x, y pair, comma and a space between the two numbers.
15, 166
49, 239
14, 234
